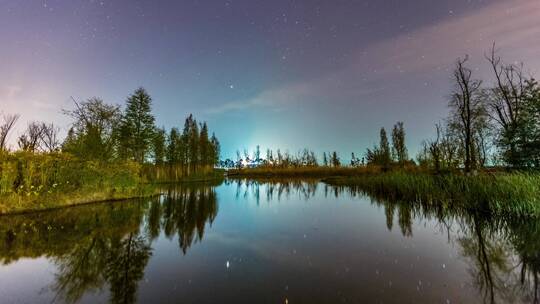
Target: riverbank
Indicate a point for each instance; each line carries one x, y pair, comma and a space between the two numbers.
307, 171
506, 194
497, 193
33, 182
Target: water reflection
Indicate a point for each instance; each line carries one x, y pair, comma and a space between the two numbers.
107, 247
503, 253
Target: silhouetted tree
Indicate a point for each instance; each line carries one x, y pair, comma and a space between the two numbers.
399, 148
6, 126
334, 160
92, 134
507, 104
137, 126
50, 141
467, 111
30, 140
159, 146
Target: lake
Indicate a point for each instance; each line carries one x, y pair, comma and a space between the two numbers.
266, 241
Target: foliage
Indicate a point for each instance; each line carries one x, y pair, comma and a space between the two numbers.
516, 194
30, 181
92, 132
137, 128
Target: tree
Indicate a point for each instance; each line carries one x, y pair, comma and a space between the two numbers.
531, 125
380, 155
191, 144
325, 160
49, 137
137, 126
93, 131
434, 147
30, 140
506, 104
6, 126
257, 155
467, 111
399, 148
384, 147
204, 146
159, 146
173, 147
334, 160
216, 150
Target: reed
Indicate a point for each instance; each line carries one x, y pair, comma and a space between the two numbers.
515, 194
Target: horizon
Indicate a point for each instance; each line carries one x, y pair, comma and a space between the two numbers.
287, 75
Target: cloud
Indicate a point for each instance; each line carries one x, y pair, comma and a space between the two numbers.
275, 99
421, 57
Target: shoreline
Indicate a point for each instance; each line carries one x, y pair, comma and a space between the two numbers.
88, 200
515, 194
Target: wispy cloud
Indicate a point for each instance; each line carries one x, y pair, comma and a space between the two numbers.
390, 65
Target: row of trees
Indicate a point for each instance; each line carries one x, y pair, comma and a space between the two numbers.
382, 155
499, 123
103, 132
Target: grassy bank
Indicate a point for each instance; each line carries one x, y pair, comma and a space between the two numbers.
32, 182
513, 194
307, 171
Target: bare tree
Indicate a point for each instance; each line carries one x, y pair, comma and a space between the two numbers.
435, 149
30, 140
49, 137
507, 102
467, 110
8, 122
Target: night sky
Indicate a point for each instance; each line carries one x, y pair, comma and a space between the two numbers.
290, 74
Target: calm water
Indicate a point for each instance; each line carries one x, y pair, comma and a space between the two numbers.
266, 242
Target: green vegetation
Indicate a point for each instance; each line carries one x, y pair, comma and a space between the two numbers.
508, 194
31, 181
103, 246
108, 154
488, 126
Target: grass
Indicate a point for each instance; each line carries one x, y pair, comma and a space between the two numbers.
32, 182
313, 172
510, 194
496, 192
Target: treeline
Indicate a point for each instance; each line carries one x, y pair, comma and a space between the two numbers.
384, 155
104, 132
497, 124
108, 153
488, 125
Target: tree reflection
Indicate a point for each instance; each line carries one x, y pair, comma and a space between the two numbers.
503, 253
107, 245
186, 212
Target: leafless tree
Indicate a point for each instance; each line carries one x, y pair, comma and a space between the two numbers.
435, 149
30, 140
49, 137
467, 109
8, 122
507, 99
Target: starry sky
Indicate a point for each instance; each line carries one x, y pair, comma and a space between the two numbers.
282, 74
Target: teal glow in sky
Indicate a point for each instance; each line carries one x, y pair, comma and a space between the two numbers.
289, 74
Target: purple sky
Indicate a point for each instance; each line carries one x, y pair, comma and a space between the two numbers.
290, 74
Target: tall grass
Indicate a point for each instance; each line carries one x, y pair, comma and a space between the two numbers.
502, 193
304, 171
40, 181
